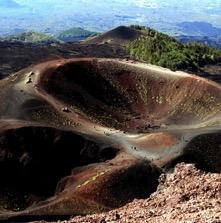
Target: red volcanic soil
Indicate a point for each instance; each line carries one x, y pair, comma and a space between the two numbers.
133, 100
185, 195
82, 136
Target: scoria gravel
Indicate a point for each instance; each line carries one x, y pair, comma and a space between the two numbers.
186, 194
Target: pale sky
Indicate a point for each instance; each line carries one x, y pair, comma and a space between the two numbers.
54, 15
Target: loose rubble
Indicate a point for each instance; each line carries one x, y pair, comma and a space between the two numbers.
185, 195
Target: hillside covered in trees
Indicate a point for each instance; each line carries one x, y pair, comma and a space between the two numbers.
162, 50
75, 34
30, 37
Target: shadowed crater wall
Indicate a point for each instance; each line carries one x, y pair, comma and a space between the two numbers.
132, 98
87, 135
34, 159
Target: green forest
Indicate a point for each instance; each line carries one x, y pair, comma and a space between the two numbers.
162, 50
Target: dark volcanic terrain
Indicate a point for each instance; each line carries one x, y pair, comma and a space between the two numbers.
88, 134
78, 135
15, 56
185, 195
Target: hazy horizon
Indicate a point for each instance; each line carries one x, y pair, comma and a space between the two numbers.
53, 16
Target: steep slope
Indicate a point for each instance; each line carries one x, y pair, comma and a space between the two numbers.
185, 195
86, 135
160, 49
119, 35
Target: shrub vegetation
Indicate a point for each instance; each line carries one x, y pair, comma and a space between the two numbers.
160, 49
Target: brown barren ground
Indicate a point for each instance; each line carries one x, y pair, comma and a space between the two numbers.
83, 136
185, 195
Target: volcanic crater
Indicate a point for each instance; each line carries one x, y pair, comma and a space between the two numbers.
80, 136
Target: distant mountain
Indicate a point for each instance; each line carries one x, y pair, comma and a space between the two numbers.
30, 37
75, 34
212, 41
119, 35
168, 16
199, 29
9, 4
